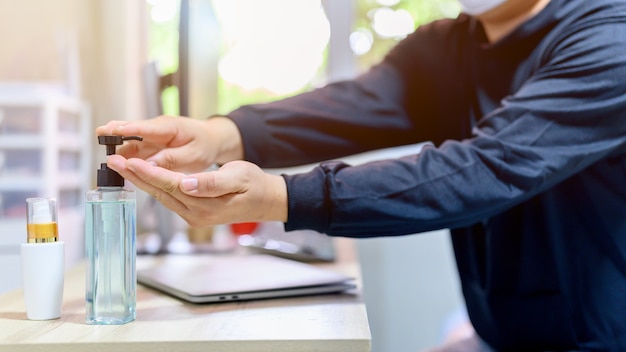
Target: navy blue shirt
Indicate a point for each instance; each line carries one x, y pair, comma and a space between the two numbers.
527, 166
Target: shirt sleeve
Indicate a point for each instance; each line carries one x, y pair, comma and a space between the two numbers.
336, 120
376, 110
569, 114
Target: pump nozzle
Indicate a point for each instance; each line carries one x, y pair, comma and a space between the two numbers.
106, 176
112, 141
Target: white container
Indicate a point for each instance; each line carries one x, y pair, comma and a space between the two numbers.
42, 279
43, 261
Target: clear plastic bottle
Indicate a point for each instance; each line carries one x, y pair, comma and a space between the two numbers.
110, 244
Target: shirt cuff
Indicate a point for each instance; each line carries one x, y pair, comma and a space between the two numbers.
307, 201
254, 133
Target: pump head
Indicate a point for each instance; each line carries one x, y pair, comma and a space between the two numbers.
106, 176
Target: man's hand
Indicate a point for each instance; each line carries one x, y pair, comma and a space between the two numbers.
179, 143
239, 191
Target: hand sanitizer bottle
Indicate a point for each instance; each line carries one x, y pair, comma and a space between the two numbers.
110, 244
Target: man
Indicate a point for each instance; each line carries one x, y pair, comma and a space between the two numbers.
525, 102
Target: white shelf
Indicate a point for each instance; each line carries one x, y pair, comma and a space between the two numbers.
19, 183
20, 141
14, 232
44, 151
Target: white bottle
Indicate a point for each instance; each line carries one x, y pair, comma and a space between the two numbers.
43, 261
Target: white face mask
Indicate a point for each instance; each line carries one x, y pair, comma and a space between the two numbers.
477, 7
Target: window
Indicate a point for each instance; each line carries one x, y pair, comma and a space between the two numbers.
270, 49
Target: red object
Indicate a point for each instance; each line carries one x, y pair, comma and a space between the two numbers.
243, 228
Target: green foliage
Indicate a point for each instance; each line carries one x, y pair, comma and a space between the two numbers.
422, 11
163, 48
163, 44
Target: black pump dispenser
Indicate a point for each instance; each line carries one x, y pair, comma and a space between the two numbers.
106, 176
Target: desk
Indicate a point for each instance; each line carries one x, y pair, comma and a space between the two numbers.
336, 322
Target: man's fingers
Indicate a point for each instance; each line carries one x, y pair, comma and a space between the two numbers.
159, 183
213, 184
209, 184
175, 159
155, 137
159, 130
109, 127
157, 177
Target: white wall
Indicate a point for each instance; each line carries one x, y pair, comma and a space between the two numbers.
111, 50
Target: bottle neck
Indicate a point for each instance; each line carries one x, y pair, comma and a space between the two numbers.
111, 188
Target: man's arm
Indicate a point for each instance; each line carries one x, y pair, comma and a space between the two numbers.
566, 117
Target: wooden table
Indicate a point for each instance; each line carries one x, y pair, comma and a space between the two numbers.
336, 322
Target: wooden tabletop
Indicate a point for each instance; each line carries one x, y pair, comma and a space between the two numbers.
336, 322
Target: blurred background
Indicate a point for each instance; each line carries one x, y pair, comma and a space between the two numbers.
67, 66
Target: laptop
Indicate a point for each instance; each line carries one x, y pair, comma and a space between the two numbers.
225, 278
